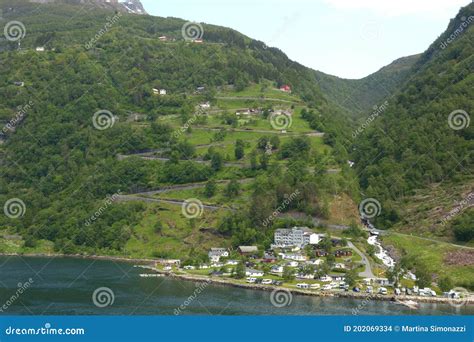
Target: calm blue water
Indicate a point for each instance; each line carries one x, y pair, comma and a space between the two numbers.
65, 286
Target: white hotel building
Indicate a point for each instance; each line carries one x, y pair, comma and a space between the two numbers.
295, 237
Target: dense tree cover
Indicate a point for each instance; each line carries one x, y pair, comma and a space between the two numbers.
463, 226
64, 168
359, 96
411, 144
278, 190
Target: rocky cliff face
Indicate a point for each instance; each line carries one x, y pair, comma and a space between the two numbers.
134, 6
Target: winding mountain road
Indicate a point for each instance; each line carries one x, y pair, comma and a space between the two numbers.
130, 198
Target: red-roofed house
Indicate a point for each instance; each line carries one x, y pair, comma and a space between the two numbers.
285, 88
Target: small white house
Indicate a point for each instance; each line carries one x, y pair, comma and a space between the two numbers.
326, 279
315, 262
159, 91
277, 269
339, 266
40, 49
292, 263
293, 256
253, 273
232, 262
216, 253
205, 105
304, 276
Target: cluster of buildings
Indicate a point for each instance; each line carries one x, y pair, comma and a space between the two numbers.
286, 253
248, 111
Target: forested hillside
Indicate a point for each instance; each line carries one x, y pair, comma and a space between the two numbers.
359, 96
424, 137
62, 166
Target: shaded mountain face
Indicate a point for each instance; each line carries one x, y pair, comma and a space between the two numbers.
424, 135
358, 97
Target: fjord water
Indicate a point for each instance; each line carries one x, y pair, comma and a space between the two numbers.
65, 286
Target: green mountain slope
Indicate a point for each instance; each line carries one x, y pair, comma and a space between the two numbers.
62, 167
424, 137
359, 96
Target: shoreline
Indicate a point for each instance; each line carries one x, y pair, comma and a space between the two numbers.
230, 282
319, 293
82, 256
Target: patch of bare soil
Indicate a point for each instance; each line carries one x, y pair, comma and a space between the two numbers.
460, 258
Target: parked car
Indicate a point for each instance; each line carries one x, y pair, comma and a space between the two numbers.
251, 280
429, 292
383, 291
315, 286
266, 281
277, 282
408, 291
397, 291
355, 289
302, 286
326, 287
452, 294
369, 289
